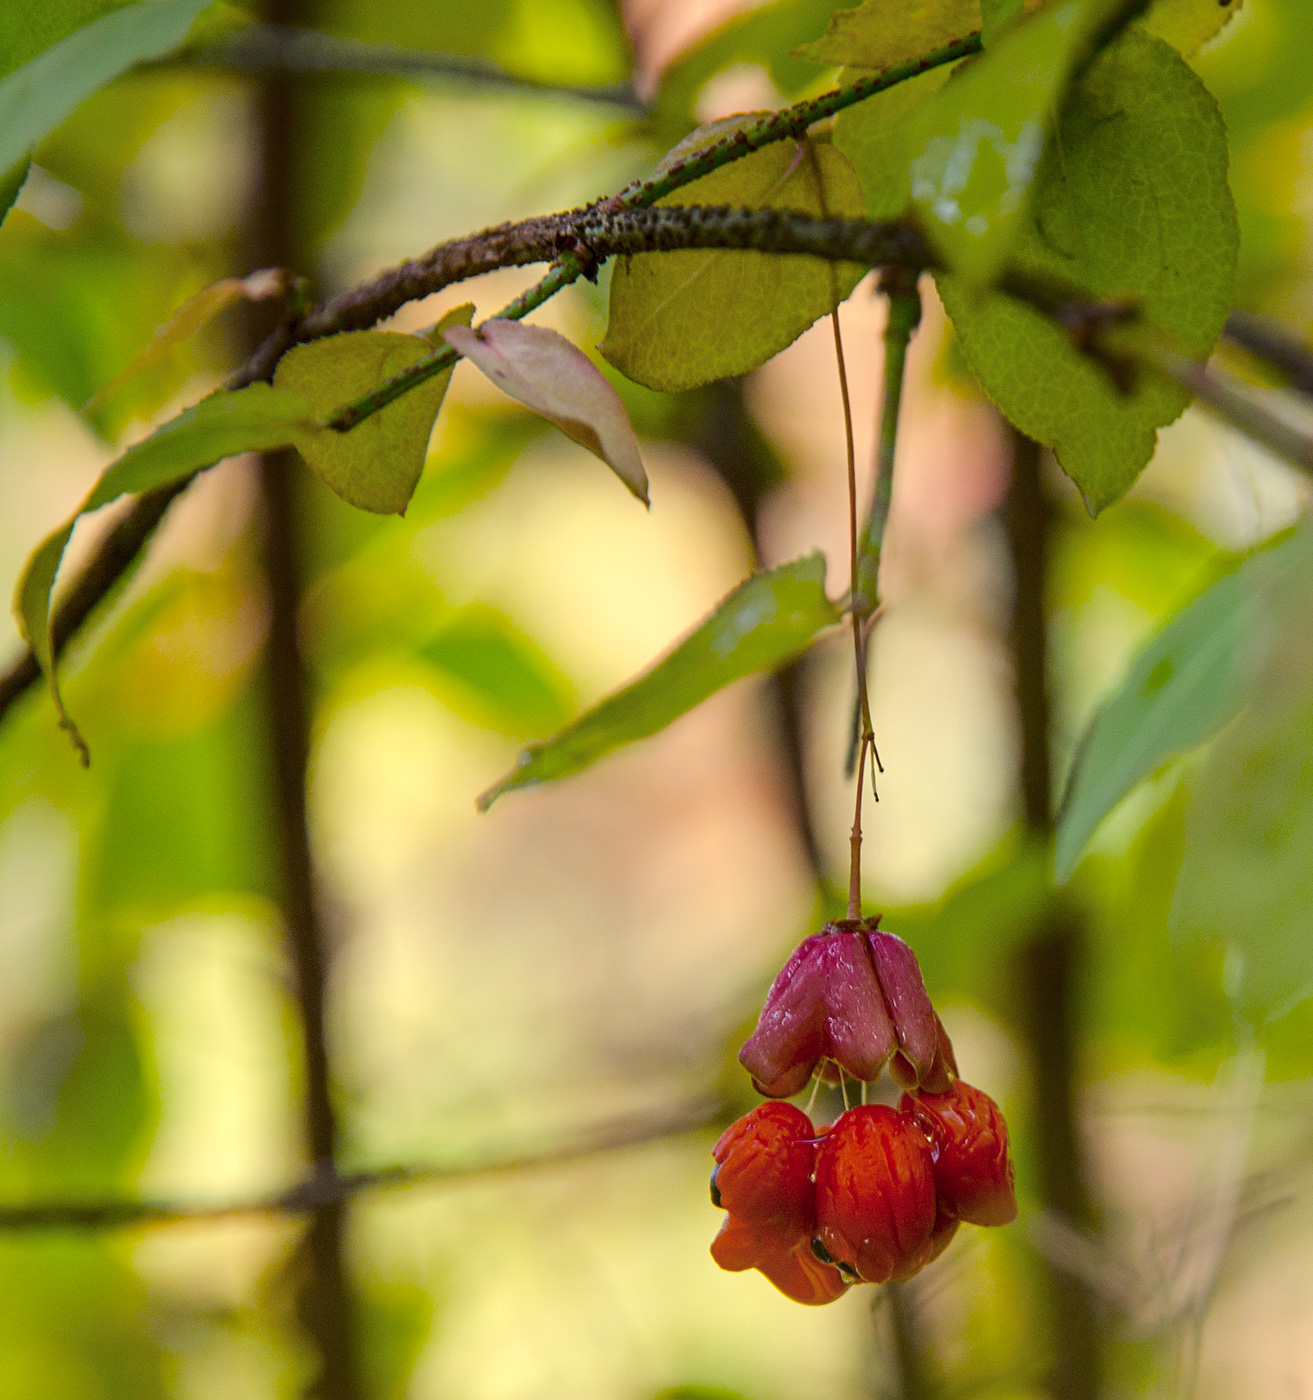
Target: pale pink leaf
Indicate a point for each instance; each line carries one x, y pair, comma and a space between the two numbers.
556, 379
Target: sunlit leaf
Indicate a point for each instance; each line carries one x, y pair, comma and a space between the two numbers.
976, 148
36, 97
251, 419
1132, 202
764, 622
1189, 24
374, 466
1183, 687
998, 17
541, 369
682, 319
1246, 880
876, 137
881, 34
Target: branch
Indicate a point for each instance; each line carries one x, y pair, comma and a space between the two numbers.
1269, 340
509, 245
278, 48
326, 1188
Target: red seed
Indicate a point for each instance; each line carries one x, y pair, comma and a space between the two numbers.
764, 1170
875, 1194
969, 1146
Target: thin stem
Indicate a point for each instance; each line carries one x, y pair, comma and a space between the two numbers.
899, 286
855, 859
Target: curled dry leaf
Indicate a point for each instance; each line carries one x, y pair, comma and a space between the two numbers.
548, 374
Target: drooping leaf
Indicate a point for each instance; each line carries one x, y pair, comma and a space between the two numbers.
767, 620
36, 97
190, 317
1191, 679
881, 34
541, 369
252, 419
374, 466
678, 320
1189, 24
1132, 202
976, 148
503, 678
1246, 878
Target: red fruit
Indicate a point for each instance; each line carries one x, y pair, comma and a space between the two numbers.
969, 1146
942, 1235
825, 1004
792, 1268
763, 1174
875, 1194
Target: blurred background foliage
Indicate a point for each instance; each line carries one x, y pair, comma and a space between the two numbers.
501, 985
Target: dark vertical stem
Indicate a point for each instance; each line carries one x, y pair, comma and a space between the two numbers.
324, 1301
1051, 959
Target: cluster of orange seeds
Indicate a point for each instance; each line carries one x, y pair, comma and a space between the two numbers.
880, 1192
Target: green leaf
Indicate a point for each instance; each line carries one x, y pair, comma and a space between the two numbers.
976, 148
1190, 680
766, 37
767, 620
998, 17
35, 98
876, 137
678, 320
1189, 24
11, 186
246, 420
376, 465
1132, 202
1246, 879
881, 34
506, 681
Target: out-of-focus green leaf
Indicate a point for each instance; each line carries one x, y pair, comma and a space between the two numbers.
77, 306
976, 148
998, 16
545, 372
678, 320
1183, 687
507, 681
374, 466
1188, 24
766, 37
35, 98
767, 620
83, 1104
876, 136
27, 29
11, 185
1132, 202
251, 419
881, 34
1246, 881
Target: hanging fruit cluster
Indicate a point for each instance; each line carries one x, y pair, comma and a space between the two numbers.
880, 1192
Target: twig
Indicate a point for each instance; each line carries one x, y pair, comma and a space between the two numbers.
280, 48
327, 1189
1268, 340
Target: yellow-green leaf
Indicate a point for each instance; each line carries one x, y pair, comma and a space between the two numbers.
767, 620
1188, 24
678, 320
884, 33
376, 465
